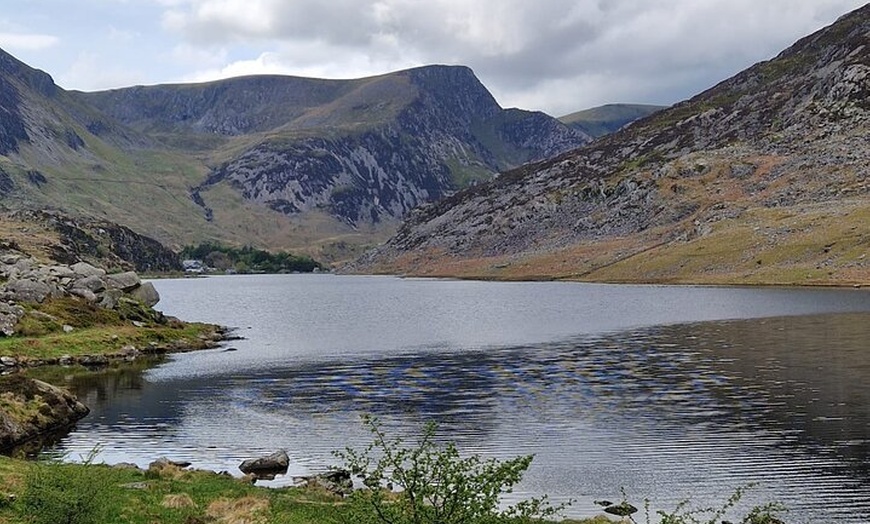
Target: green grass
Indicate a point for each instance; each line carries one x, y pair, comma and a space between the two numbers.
97, 331
172, 495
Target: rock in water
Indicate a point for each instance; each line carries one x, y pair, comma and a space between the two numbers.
276, 463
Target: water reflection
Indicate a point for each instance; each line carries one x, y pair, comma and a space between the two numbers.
667, 412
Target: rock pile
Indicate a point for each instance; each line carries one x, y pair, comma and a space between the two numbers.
26, 280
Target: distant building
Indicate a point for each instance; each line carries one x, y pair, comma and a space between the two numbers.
193, 266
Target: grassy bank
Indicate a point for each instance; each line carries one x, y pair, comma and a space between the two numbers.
165, 495
66, 327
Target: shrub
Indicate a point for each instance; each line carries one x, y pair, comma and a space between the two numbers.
59, 493
432, 484
684, 514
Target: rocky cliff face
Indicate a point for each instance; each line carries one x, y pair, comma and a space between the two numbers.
362, 151
67, 240
762, 178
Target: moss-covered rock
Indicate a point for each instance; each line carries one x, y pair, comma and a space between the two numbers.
30, 408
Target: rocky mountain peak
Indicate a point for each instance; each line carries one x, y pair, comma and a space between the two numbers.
456, 90
40, 81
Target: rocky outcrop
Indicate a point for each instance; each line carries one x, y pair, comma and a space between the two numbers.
26, 280
30, 408
101, 243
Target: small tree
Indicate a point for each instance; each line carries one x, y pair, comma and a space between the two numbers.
431, 484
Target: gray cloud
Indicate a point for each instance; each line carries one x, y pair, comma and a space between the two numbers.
556, 55
553, 55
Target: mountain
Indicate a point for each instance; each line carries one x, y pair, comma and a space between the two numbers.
603, 120
761, 179
59, 153
361, 152
309, 165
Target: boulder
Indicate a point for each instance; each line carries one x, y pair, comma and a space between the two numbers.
41, 408
10, 259
270, 465
146, 293
337, 481
9, 317
92, 283
26, 290
127, 281
83, 269
61, 272
109, 298
164, 463
85, 294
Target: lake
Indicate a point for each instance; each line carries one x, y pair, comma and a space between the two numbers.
666, 392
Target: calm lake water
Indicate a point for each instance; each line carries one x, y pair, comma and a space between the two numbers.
667, 392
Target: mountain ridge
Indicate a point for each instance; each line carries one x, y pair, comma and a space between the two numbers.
287, 163
759, 179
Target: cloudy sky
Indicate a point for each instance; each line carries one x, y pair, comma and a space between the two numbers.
556, 56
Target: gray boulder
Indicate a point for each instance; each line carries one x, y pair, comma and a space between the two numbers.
146, 293
9, 316
127, 281
337, 481
85, 294
109, 298
92, 283
61, 272
270, 465
26, 290
83, 269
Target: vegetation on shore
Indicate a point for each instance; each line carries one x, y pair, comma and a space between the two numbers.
248, 260
71, 327
424, 483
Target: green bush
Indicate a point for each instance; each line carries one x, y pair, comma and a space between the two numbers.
59, 493
430, 483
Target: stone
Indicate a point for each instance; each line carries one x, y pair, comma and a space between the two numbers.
10, 259
94, 361
337, 481
83, 269
27, 290
276, 463
92, 283
132, 485
9, 316
163, 463
127, 281
57, 409
61, 272
109, 298
85, 294
9, 362
67, 328
146, 293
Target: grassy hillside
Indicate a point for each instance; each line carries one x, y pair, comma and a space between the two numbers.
606, 119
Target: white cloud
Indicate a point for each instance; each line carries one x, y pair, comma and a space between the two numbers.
27, 42
90, 72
